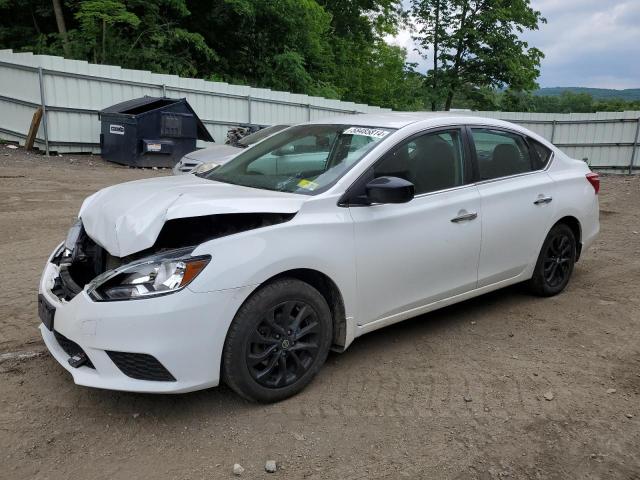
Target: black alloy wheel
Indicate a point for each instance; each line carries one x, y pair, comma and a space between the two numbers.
278, 341
555, 262
284, 344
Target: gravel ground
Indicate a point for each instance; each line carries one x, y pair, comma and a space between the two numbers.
503, 386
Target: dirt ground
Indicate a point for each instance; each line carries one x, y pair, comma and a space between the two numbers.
455, 394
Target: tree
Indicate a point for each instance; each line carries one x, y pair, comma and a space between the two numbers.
96, 15
62, 27
329, 48
281, 44
517, 101
366, 68
476, 46
141, 34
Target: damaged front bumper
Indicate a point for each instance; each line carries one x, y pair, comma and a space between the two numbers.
167, 344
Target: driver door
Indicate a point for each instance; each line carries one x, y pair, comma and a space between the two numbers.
412, 254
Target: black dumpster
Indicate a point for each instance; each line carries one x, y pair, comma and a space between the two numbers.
150, 131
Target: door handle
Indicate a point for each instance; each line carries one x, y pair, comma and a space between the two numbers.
464, 217
542, 200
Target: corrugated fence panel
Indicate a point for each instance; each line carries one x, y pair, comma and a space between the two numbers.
76, 90
19, 84
604, 139
13, 119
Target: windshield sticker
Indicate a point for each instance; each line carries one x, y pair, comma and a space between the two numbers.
308, 184
366, 132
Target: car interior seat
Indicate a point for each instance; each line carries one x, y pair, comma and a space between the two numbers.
395, 164
434, 165
506, 160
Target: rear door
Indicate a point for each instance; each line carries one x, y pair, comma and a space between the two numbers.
517, 203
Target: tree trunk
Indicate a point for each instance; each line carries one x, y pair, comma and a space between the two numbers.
458, 57
436, 38
62, 28
447, 105
104, 38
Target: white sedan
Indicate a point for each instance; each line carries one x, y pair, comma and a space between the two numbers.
212, 157
250, 273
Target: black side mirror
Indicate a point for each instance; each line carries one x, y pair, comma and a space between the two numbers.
389, 190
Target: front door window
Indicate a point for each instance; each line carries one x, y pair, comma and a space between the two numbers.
433, 161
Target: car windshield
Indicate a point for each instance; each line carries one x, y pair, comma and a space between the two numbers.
260, 135
304, 159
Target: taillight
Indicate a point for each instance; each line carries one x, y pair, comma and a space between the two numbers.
594, 180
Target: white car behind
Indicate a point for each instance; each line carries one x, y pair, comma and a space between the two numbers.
250, 273
206, 159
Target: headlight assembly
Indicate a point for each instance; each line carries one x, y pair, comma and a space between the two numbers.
72, 238
205, 167
149, 277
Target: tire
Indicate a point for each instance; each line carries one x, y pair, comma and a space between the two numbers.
555, 262
277, 341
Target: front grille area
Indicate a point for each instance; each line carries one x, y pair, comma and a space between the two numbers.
79, 266
186, 167
141, 366
71, 348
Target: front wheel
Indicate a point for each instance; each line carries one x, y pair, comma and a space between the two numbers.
555, 262
278, 341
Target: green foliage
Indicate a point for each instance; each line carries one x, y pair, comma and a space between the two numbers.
92, 13
260, 39
328, 48
476, 46
95, 16
566, 102
628, 94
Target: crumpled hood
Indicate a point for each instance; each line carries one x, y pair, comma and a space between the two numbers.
127, 218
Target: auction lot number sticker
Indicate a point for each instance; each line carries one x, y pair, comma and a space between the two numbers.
366, 132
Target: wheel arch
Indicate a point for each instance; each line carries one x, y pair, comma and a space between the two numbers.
331, 293
574, 224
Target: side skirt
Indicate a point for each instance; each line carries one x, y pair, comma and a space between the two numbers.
414, 312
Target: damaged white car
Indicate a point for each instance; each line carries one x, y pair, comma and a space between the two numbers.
250, 273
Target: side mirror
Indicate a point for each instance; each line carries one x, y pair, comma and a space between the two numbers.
282, 151
389, 190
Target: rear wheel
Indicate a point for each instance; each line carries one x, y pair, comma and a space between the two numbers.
278, 341
555, 262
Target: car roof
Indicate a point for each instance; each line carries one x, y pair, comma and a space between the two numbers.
402, 119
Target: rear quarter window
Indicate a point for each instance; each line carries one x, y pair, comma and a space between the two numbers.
541, 154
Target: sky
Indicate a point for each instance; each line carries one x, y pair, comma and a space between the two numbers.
587, 43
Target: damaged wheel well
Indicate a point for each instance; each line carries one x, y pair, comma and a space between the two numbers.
331, 293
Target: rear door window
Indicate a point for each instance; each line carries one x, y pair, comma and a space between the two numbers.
500, 153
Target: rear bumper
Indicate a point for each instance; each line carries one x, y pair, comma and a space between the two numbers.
590, 225
184, 331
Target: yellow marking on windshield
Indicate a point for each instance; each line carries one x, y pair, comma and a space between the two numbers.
307, 184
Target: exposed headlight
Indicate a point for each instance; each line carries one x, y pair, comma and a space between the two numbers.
152, 276
205, 167
72, 238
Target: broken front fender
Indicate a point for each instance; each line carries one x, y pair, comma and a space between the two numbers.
128, 218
